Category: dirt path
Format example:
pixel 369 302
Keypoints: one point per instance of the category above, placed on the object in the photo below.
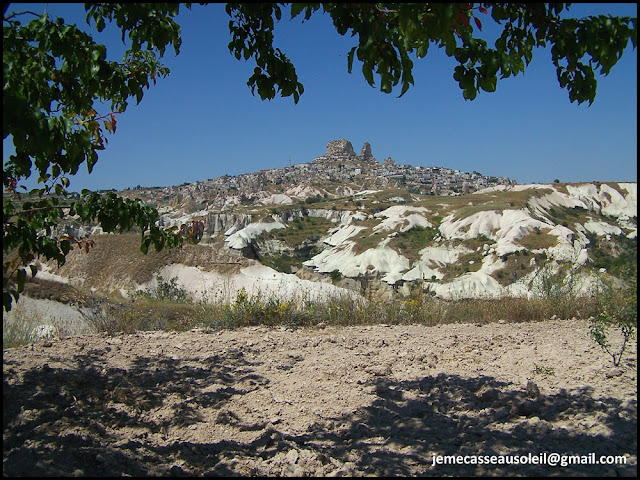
pixel 318 402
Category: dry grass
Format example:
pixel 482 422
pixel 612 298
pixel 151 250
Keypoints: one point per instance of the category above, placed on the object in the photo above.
pixel 301 229
pixel 517 265
pixel 422 309
pixel 410 243
pixel 114 258
pixel 112 314
pixel 364 241
pixel 538 240
pixel 117 260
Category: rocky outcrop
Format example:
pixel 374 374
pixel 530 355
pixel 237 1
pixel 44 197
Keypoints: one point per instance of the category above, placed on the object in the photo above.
pixel 340 147
pixel 337 151
pixel 218 222
pixel 503 231
pixel 342 150
pixel 366 154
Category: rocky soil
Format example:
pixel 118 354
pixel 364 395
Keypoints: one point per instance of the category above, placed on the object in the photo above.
pixel 364 400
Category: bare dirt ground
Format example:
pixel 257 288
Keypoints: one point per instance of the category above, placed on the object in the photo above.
pixel 349 401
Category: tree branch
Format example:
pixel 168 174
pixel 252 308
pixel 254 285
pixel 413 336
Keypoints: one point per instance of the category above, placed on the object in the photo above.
pixel 17 13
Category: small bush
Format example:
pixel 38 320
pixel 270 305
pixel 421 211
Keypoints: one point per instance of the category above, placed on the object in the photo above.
pixel 542 370
pixel 617 310
pixel 104 316
pixel 164 290
pixel 335 276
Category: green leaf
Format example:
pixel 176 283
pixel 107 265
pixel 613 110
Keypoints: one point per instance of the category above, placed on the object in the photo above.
pixel 367 71
pixel 7 300
pixel 65 246
pixel 422 49
pixel 469 93
pixel 21 276
pixel 100 24
pixel 144 246
pixel 34 270
pixel 488 84
pixel 385 84
pixel 296 8
pixel 458 73
pixel 468 80
pixel 350 59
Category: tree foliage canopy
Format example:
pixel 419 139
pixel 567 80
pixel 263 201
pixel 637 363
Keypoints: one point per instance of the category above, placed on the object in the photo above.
pixel 53 75
pixel 389 35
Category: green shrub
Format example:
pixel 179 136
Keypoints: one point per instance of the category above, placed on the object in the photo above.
pixel 413 240
pixel 283 263
pixel 164 290
pixel 617 310
pixel 336 276
pixel 618 256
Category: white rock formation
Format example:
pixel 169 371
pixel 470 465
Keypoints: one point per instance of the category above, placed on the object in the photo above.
pixel 276 199
pixel 432 260
pixel 402 218
pixel 381 260
pixel 256 280
pixel 505 227
pixel 243 238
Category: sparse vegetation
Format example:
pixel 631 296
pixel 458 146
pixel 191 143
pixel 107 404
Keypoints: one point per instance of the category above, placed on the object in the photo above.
pixel 543 370
pixel 335 276
pixel 104 316
pixel 617 310
pixel 410 243
pixel 285 263
pixel 314 199
pixel 299 230
pixel 242 309
pixel 539 239
pixel 619 256
pixel 165 290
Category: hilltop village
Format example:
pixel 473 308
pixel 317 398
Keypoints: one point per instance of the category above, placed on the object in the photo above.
pixel 356 221
pixel 341 169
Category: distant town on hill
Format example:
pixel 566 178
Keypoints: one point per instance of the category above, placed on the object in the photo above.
pixel 340 165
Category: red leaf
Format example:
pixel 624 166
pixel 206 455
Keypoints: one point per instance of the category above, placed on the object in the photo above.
pixel 483 10
pixel 478 23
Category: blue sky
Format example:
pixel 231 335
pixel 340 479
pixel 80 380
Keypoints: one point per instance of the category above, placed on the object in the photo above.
pixel 202 121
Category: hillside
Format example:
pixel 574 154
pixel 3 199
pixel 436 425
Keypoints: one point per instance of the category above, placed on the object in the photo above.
pixel 320 236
